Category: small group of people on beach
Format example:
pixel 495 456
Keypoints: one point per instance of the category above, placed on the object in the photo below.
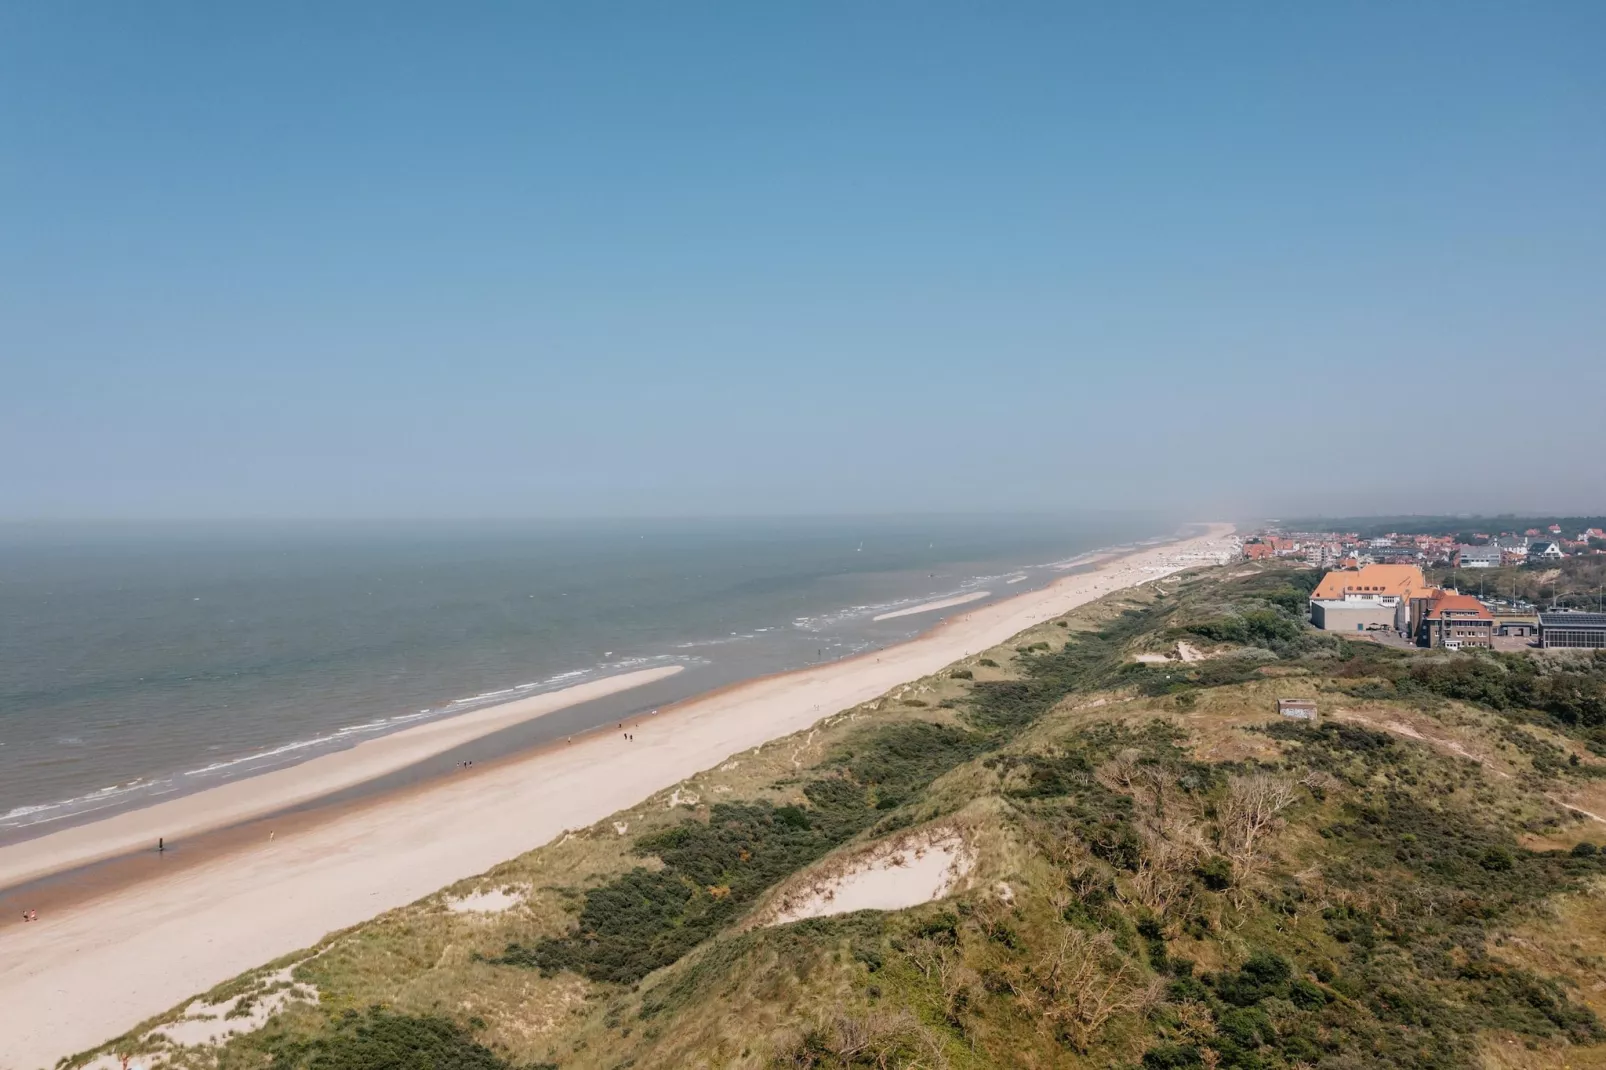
pixel 629 736
pixel 30 915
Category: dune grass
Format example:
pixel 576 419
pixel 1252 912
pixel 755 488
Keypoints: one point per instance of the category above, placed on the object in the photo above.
pixel 1167 875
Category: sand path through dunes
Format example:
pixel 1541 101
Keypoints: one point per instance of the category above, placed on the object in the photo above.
pixel 74 980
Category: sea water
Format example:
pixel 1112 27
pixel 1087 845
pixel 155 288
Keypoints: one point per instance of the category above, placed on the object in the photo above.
pixel 138 662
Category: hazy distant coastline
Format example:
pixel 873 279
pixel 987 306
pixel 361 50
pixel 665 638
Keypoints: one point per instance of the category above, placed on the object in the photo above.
pixel 333 872
pixel 154 666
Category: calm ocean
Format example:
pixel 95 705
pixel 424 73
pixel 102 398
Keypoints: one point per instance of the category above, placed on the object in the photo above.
pixel 143 661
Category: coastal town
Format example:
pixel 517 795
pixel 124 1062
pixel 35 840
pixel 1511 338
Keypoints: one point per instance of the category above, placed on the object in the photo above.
pixel 1537 585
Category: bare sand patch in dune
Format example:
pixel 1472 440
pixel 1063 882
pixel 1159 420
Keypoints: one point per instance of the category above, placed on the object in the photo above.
pixel 491 901
pixel 891 876
pixel 202 1024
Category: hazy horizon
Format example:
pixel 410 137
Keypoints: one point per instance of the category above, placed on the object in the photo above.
pixel 416 263
pixel 561 521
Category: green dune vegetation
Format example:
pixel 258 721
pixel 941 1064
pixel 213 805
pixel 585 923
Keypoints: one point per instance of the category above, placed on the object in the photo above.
pixel 1159 871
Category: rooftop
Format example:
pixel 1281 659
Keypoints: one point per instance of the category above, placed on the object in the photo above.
pixel 1344 603
pixel 1458 604
pixel 1398 581
pixel 1573 620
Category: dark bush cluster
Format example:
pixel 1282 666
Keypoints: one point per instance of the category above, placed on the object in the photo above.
pixel 1571 694
pixel 1574 695
pixel 382 1040
pixel 1393 1015
pixel 1183 679
pixel 1265 628
pixel 714 869
pixel 1087 661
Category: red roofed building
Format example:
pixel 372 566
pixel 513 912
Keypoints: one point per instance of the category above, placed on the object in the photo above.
pixel 1388 582
pixel 1453 621
pixel 1376 597
pixel 1259 551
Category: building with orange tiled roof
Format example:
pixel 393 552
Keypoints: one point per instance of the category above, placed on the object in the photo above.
pixel 1371 598
pixel 1371 582
pixel 1453 621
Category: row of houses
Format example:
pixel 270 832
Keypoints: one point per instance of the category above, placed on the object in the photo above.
pixel 1330 549
pixel 1512 550
pixel 1399 599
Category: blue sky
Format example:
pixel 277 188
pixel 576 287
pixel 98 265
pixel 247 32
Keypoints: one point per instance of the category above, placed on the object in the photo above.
pixel 520 259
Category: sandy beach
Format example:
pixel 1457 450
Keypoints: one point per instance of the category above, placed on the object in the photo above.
pixel 76 978
pixel 241 800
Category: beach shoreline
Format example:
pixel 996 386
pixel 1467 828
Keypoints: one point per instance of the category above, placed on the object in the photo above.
pixel 250 798
pixel 99 732
pixel 82 841
pixel 276 895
